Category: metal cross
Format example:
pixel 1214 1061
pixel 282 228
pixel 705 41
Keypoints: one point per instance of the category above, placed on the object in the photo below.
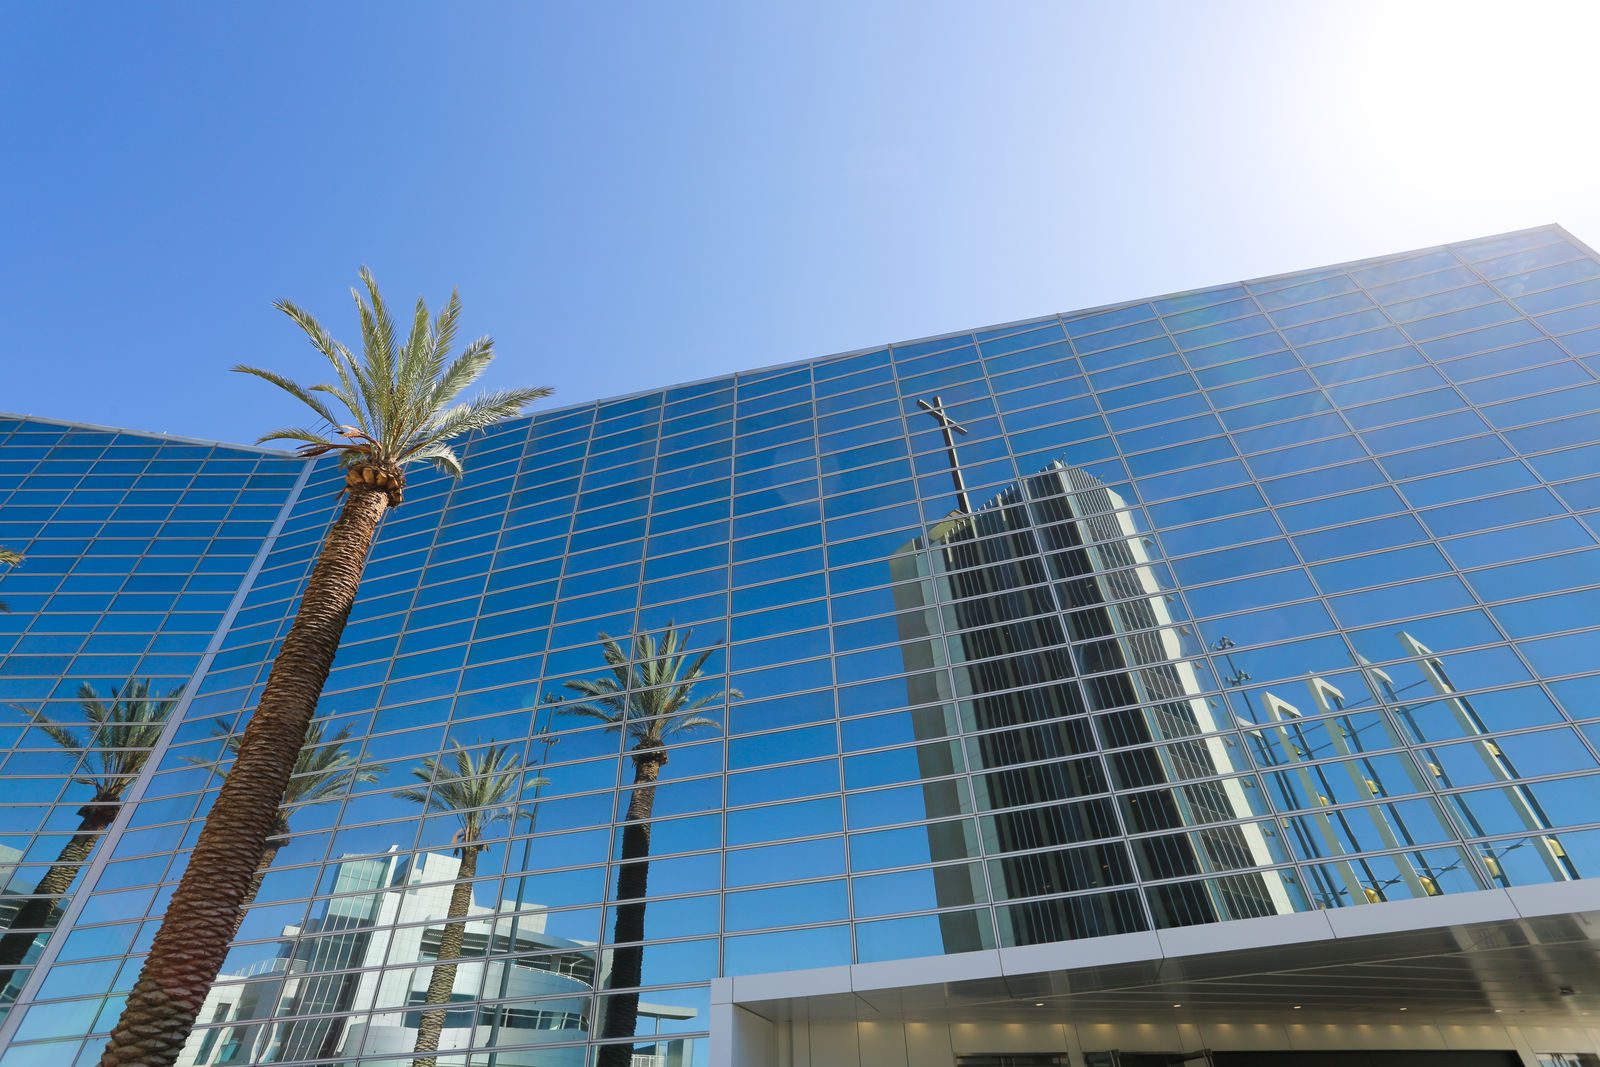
pixel 947 424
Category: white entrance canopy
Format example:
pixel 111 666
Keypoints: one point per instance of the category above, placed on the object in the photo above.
pixel 1513 969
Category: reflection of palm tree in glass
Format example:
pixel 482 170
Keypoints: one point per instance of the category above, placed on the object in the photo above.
pixel 8 558
pixel 324 771
pixel 480 787
pixel 651 701
pixel 543 738
pixel 110 756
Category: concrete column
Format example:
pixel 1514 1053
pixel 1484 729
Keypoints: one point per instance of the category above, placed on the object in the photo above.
pixel 741 1038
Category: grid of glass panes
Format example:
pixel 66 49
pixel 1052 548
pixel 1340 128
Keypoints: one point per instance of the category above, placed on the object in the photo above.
pixel 135 547
pixel 1274 599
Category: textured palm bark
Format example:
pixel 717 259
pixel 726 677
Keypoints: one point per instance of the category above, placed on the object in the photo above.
pixel 443 979
pixel 41 910
pixel 627 962
pixel 194 937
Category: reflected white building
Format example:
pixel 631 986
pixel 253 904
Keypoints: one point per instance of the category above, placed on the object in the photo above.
pixel 355 980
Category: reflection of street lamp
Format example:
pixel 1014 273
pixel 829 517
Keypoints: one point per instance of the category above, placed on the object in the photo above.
pixel 1225 645
pixel 540 737
pixel 1430 880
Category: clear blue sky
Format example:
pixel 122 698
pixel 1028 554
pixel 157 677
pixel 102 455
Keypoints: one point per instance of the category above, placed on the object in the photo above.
pixel 634 195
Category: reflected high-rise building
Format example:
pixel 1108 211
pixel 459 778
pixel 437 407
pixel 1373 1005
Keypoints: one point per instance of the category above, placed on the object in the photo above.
pixel 1054 610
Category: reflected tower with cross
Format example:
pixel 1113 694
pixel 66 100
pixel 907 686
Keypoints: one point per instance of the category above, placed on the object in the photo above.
pixel 1048 658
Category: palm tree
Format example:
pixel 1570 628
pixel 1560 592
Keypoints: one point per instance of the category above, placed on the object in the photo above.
pixel 324 771
pixel 109 757
pixel 480 788
pixel 649 699
pixel 398 398
pixel 8 558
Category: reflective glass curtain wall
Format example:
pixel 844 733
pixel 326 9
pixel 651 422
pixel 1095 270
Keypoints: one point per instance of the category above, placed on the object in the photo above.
pixel 1259 599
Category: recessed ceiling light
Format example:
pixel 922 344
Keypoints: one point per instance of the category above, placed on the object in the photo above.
pixel 1297 1007
pixel 1038 1003
pixel 1177 1005
pixel 1405 1009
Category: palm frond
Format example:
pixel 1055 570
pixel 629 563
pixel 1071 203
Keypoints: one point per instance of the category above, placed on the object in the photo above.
pixel 397 396
pixel 707 701
pixel 374 372
pixel 588 711
pixel 443 458
pixel 605 698
pixel 411 367
pixel 443 338
pixel 122 733
pixel 9 558
pixel 479 414
pixel 344 396
pixel 465 369
pixel 605 690
pixel 479 786
pixel 685 723
pixel 325 769
pixel 380 340
pixel 336 354
pixel 650 693
pixel 293 388
pixel 322 786
pixel 417 377
pixel 67 739
pixel 312 443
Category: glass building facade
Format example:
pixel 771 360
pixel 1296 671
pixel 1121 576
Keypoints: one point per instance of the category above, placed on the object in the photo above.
pixel 1261 599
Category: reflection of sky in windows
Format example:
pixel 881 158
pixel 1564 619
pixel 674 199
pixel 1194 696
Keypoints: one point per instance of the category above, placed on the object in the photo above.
pixel 1275 598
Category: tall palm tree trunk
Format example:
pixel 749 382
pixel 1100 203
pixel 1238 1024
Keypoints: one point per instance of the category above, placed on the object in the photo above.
pixel 193 940
pixel 627 962
pixel 41 908
pixel 443 979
